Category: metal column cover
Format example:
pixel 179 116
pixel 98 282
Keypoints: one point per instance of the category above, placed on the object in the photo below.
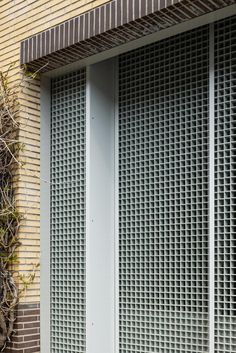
pixel 68 213
pixel 163 196
pixel 225 186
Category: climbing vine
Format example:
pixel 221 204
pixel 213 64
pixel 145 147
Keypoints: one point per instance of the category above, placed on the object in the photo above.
pixel 10 218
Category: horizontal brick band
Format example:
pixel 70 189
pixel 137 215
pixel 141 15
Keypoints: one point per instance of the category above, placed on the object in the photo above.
pixel 27 330
pixel 109 25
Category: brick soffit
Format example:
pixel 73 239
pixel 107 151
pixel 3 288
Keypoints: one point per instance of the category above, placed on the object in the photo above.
pixel 107 26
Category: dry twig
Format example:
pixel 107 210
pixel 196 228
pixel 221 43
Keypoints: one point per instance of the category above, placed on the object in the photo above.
pixel 9 216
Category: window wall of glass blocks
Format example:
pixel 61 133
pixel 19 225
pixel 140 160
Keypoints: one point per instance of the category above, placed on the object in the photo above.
pixel 143 199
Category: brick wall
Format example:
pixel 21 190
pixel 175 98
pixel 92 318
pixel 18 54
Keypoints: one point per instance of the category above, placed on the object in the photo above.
pixel 20 19
pixel 27 330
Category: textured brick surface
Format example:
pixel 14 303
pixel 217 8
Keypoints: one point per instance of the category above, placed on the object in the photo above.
pixel 26 338
pixel 18 20
pixel 112 24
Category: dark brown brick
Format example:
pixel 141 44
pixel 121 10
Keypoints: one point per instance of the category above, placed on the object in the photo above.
pixel 26 338
pixel 30 331
pixel 32 337
pixel 29 306
pixel 17 338
pixel 24 344
pixel 32 350
pixel 31 312
pixel 32 324
pixel 89 25
pixel 27 318
pixel 20 313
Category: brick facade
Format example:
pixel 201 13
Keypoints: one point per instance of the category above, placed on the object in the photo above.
pixel 27 330
pixel 18 20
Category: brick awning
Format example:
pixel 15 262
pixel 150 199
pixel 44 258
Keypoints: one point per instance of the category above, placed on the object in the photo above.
pixel 107 26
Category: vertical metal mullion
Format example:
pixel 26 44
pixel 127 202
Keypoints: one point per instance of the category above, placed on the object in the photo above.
pixel 100 212
pixel 116 207
pixel 45 293
pixel 87 188
pixel 211 191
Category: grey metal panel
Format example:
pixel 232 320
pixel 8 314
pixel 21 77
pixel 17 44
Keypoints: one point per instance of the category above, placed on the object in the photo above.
pixel 225 186
pixel 68 251
pixel 100 207
pixel 163 196
pixel 211 191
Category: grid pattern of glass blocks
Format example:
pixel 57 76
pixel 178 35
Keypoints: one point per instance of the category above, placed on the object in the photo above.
pixel 225 186
pixel 68 214
pixel 163 196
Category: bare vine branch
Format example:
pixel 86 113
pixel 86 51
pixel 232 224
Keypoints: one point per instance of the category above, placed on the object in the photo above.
pixel 10 218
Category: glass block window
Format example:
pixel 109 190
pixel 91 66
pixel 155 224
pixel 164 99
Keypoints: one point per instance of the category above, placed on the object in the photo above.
pixel 163 196
pixel 225 186
pixel 68 214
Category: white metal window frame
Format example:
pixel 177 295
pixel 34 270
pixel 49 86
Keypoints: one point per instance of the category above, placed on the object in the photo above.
pixel 97 341
pixel 100 209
